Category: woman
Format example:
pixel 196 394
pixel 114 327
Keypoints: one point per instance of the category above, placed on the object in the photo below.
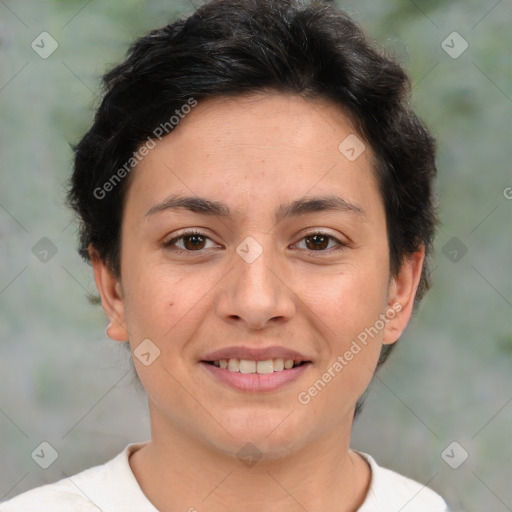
pixel 255 198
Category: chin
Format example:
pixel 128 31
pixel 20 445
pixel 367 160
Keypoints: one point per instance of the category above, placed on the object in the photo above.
pixel 267 435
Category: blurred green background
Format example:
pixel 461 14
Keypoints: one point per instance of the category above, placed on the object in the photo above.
pixel 63 381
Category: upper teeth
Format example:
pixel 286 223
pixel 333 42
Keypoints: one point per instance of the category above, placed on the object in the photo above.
pixel 248 366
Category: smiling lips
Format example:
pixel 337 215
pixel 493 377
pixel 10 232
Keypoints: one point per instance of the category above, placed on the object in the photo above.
pixel 255 369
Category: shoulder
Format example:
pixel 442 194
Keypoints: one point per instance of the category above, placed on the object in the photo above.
pixel 61 496
pixel 107 486
pixel 391 491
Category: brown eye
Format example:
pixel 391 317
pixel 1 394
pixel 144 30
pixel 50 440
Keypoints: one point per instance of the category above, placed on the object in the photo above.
pixel 192 242
pixel 188 242
pixel 317 241
pixel 321 242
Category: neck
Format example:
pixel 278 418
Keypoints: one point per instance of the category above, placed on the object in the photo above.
pixel 178 472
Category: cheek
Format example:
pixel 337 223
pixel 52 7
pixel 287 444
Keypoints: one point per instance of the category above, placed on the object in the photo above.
pixel 162 303
pixel 163 307
pixel 348 301
pixel 347 313
pixel 348 306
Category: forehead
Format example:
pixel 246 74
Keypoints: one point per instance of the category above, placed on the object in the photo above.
pixel 260 118
pixel 255 149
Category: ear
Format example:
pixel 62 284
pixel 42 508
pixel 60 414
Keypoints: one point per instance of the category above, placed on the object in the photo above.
pixel 111 294
pixel 402 291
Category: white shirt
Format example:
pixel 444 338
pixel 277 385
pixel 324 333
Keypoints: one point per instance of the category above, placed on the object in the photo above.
pixel 112 487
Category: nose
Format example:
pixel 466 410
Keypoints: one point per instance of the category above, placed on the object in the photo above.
pixel 257 294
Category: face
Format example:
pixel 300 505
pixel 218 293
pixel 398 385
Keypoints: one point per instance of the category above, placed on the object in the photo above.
pixel 249 235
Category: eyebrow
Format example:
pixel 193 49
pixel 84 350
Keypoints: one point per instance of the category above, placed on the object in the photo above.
pixel 295 208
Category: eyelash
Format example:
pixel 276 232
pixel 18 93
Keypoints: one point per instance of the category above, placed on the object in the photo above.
pixel 193 232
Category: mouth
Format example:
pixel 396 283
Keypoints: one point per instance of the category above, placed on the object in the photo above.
pixel 255 369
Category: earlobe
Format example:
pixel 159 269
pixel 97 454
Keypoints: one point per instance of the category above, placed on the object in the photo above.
pixel 112 300
pixel 402 292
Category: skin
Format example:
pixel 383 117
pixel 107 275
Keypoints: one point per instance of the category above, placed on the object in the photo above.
pixel 254 153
